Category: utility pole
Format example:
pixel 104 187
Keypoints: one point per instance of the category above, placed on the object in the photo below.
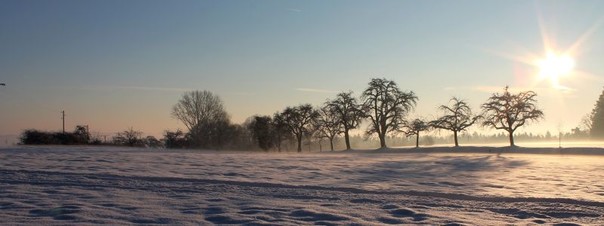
pixel 63 117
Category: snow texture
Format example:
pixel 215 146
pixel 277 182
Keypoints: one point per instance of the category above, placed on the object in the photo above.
pixel 102 185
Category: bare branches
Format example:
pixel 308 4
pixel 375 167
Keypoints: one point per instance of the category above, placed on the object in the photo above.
pixel 203 114
pixel 298 120
pixel 386 106
pixel 347 112
pixel 328 124
pixel 414 128
pixel 510 111
pixel 457 117
pixel 196 107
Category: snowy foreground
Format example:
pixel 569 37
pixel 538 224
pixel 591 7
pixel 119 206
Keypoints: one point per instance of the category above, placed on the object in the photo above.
pixel 100 185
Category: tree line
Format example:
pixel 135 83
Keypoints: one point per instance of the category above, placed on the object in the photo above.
pixel 383 106
pixel 82 136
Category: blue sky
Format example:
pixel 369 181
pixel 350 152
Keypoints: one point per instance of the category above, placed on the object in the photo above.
pixel 120 64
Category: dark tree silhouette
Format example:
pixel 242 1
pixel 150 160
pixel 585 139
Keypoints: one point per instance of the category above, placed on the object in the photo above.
pixel 196 107
pixel 152 142
pixel 597 119
pixel 328 124
pixel 175 139
pixel 82 134
pixel 203 114
pixel 348 113
pixel 79 136
pixel 211 135
pixel 281 130
pixel 457 117
pixel 299 121
pixel 237 137
pixel 510 111
pixel 414 128
pixel 128 137
pixel 261 128
pixel 386 106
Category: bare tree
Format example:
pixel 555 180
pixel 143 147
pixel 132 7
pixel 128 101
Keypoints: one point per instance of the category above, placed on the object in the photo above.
pixel 203 114
pixel 129 137
pixel 348 113
pixel 299 121
pixel 457 117
pixel 328 124
pixel 196 107
pixel 414 128
pixel 510 111
pixel 386 106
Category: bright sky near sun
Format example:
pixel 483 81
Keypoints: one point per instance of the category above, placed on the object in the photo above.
pixel 119 64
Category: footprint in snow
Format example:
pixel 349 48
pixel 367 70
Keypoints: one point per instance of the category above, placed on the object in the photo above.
pixel 408 213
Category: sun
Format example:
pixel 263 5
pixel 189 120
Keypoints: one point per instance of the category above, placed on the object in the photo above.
pixel 553 66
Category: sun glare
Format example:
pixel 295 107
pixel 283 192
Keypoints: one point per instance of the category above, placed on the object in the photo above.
pixel 554 66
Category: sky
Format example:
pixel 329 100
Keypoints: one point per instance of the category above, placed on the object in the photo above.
pixel 114 65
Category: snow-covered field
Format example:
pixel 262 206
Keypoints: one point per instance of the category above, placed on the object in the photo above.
pixel 101 185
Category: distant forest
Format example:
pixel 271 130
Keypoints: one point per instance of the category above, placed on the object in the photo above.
pixel 383 108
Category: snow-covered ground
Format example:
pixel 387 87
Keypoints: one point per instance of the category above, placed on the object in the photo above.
pixel 101 185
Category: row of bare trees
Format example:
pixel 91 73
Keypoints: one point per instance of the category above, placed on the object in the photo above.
pixel 382 104
pixel 505 111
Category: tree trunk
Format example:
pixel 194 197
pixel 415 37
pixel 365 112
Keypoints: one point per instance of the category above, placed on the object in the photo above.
pixel 455 136
pixel 417 140
pixel 512 139
pixel 382 140
pixel 347 138
pixel 299 143
pixel 331 143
